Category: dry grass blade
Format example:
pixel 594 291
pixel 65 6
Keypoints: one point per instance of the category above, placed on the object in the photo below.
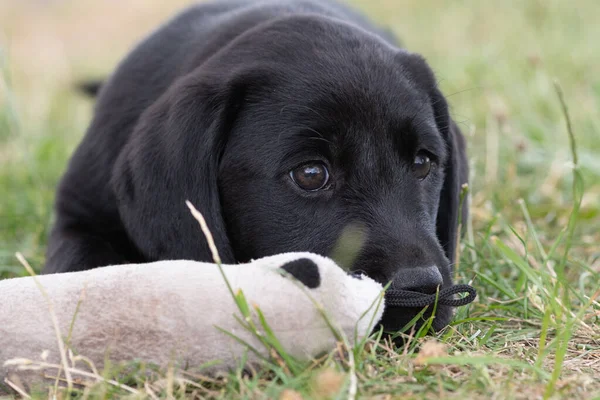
pixel 149 391
pixel 16 388
pixel 206 231
pixel 24 364
pixel 55 324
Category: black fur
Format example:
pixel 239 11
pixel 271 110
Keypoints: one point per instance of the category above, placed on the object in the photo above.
pixel 220 103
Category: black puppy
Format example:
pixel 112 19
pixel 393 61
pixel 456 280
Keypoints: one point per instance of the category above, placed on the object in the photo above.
pixel 283 122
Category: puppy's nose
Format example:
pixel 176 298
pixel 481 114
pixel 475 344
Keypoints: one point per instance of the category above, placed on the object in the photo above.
pixel 424 280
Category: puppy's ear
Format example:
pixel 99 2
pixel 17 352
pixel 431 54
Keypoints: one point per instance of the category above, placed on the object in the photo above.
pixel 172 156
pixel 456 172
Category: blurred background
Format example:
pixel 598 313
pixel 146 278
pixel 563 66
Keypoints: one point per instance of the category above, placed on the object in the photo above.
pixel 496 62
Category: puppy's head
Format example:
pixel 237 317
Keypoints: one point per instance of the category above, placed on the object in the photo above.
pixel 294 131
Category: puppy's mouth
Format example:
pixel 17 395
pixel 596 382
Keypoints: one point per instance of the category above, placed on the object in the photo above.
pixel 417 299
pixel 404 306
pixel 408 310
pixel 412 289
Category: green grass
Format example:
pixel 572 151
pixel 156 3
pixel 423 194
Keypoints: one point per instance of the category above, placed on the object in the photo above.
pixel 531 251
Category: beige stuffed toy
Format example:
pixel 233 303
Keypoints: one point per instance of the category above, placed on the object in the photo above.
pixel 176 311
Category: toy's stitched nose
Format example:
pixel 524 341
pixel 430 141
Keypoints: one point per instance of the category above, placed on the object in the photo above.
pixel 424 280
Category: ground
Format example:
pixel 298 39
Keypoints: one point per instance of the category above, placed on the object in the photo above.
pixel 532 246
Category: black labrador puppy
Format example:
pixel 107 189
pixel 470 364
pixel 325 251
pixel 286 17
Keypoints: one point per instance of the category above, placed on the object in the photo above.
pixel 284 122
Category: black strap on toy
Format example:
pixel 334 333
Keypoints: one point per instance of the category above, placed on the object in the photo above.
pixel 445 297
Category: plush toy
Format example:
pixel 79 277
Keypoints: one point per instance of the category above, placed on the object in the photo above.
pixel 178 312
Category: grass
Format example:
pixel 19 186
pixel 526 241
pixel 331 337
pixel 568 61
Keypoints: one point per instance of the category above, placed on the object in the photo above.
pixel 532 247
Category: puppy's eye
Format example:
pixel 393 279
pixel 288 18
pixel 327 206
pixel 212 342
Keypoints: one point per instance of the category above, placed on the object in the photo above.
pixel 422 165
pixel 311 176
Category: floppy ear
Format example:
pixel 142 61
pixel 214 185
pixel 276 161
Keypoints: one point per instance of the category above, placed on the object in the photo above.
pixel 172 156
pixel 456 172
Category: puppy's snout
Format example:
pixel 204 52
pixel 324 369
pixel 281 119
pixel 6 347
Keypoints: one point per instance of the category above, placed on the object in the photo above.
pixel 424 280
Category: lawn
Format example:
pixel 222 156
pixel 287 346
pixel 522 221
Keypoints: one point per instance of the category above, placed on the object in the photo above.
pixel 532 247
